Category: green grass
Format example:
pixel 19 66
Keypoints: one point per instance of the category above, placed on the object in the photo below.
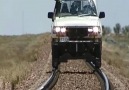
pixel 17 53
pixel 117 54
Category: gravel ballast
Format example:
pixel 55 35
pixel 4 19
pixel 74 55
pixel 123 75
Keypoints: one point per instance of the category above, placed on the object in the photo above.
pixel 75 75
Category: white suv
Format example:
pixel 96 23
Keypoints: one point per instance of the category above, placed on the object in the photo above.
pixel 76 31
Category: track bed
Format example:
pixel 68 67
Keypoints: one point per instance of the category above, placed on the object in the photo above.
pixel 76 75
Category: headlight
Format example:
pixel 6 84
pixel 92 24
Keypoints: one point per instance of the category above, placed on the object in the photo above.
pixel 95 29
pixel 63 30
pixel 57 29
pixel 90 30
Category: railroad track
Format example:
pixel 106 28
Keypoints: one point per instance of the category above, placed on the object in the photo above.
pixel 105 84
pixel 52 80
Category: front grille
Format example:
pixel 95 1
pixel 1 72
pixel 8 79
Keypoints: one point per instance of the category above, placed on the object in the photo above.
pixel 77 33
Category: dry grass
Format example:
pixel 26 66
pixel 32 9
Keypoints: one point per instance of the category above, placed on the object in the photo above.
pixel 17 53
pixel 117 55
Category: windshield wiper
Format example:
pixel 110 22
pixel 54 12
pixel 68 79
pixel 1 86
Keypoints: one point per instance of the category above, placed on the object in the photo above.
pixel 65 15
pixel 81 15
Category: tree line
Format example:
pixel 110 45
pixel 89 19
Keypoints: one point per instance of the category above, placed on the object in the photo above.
pixel 117 29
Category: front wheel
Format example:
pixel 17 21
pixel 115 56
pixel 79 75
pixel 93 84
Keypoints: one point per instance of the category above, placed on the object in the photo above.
pixel 55 63
pixel 97 55
pixel 55 56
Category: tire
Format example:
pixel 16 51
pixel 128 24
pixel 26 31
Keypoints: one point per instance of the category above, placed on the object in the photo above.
pixel 97 55
pixel 55 63
pixel 55 56
pixel 98 63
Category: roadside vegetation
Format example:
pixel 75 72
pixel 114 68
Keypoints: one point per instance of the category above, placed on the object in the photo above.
pixel 116 47
pixel 17 53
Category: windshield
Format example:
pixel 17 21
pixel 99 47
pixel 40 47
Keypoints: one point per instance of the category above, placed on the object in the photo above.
pixel 77 8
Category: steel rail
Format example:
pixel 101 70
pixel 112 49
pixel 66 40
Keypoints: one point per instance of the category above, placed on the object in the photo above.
pixel 105 84
pixel 51 81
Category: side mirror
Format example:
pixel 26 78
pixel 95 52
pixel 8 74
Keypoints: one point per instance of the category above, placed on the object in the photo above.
pixel 50 15
pixel 102 15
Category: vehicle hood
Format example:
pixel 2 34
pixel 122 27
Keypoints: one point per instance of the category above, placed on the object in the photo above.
pixel 77 21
